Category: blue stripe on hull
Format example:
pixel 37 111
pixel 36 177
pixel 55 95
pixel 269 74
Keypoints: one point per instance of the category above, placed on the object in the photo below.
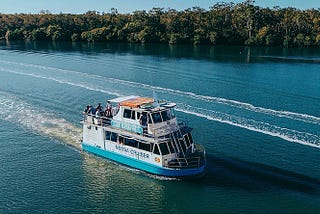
pixel 143 165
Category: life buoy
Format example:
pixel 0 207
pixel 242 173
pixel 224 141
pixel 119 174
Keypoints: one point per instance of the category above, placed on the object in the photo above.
pixel 157 159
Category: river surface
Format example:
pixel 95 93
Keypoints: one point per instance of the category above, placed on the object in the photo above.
pixel 255 110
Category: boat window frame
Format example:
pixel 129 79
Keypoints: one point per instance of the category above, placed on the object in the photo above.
pixel 131 142
pixel 107 133
pixel 167 113
pixel 149 118
pixel 113 134
pixel 166 146
pixel 172 147
pixel 154 149
pixel 129 114
pixel 126 113
pixel 184 146
pixel 190 138
pixel 153 118
pixel 172 113
pixel 133 114
pixel 187 140
pixel 144 143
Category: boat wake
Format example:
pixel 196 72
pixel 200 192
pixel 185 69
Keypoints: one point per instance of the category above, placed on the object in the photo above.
pixel 253 125
pixel 247 106
pixel 118 87
pixel 17 111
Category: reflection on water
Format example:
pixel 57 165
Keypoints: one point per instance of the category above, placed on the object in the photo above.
pixel 118 188
pixel 218 53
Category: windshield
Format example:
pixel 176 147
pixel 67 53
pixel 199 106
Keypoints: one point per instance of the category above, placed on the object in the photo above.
pixel 162 116
pixel 156 117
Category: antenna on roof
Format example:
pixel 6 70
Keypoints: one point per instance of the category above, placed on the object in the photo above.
pixel 154 94
pixel 155 98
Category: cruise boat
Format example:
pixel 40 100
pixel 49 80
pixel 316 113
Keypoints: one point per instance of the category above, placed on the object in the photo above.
pixel 143 134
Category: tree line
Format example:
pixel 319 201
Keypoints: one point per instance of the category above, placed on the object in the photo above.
pixel 222 24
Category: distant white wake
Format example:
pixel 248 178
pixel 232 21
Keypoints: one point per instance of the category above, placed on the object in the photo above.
pixel 253 125
pixel 241 105
pixel 250 124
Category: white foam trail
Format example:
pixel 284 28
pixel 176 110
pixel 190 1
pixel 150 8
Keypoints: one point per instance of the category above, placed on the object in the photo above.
pixel 257 126
pixel 14 110
pixel 284 133
pixel 285 114
pixel 81 85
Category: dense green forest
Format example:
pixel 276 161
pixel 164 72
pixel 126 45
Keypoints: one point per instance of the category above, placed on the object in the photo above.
pixel 223 23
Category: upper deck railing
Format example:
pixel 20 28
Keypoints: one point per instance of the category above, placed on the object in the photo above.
pixel 149 131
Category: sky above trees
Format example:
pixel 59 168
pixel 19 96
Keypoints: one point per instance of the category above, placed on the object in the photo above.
pixel 128 6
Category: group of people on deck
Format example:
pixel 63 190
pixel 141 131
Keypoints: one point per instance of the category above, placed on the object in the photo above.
pixel 99 111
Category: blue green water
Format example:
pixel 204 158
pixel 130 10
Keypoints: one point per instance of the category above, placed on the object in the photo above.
pixel 255 110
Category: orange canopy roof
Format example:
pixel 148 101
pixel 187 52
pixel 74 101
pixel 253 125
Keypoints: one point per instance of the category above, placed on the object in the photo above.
pixel 137 102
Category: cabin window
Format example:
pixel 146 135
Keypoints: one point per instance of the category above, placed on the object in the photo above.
pixel 172 113
pixel 127 113
pixel 171 147
pixel 166 115
pixel 131 142
pixel 186 139
pixel 172 143
pixel 113 137
pixel 177 135
pixel 108 134
pixel 175 146
pixel 190 138
pixel 144 146
pixel 164 148
pixel 121 140
pixel 183 146
pixel 156 117
pixel 138 115
pixel 156 150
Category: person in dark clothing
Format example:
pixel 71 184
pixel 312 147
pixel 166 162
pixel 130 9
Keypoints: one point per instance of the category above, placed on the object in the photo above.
pixel 108 109
pixel 99 107
pixel 143 121
pixel 86 110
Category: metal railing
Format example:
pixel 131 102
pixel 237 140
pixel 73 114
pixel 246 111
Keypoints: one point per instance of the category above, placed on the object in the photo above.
pixel 101 121
pixel 191 162
pixel 196 160
pixel 107 121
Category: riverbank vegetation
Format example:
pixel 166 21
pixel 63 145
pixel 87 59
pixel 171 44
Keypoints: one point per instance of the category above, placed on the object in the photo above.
pixel 222 24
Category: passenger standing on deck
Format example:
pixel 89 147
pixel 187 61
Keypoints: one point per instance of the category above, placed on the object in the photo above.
pixel 143 121
pixel 91 110
pixel 86 110
pixel 99 107
pixel 97 119
pixel 108 108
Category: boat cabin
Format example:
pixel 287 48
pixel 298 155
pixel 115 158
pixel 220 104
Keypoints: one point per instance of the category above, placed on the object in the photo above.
pixel 142 115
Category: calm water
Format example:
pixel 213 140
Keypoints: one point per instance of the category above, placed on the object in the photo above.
pixel 255 110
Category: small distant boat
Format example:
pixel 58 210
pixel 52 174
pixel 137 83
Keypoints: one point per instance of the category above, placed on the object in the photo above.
pixel 143 134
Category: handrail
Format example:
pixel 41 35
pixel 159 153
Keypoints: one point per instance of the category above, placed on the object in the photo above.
pixel 106 121
pixel 195 161
pixel 188 162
